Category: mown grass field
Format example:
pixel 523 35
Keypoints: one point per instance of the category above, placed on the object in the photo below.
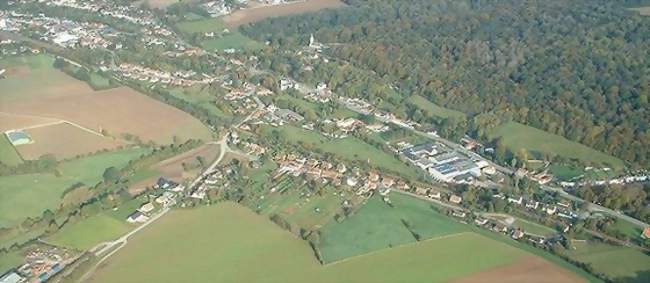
pixel 30 194
pixel 349 148
pixel 223 242
pixel 8 154
pixel 232 40
pixel 534 228
pixel 432 109
pixel 377 226
pixel 517 136
pixel 619 263
pixel 201 26
pixel 89 232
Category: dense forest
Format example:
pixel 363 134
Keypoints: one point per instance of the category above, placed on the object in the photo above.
pixel 580 69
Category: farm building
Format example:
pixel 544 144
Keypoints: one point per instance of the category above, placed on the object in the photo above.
pixel 17 137
pixel 137 217
pixel 646 233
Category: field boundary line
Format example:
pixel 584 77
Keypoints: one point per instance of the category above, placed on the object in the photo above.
pixel 399 246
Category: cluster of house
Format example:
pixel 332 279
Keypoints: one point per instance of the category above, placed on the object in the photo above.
pixel 168 198
pixel 276 116
pixel 615 181
pixel 177 78
pixel 215 179
pixel 363 184
pixel 445 164
pixel 41 263
pixel 217 8
pixel 357 105
pixel 9 47
pixel 108 8
pixel 561 209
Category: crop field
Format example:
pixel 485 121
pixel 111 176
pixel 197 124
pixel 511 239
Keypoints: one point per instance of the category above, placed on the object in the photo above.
pixel 432 109
pixel 517 136
pixel 30 194
pixel 8 154
pixel 621 263
pixel 64 140
pixel 256 14
pixel 42 92
pixel 221 243
pixel 89 232
pixel 232 40
pixel 349 148
pixel 377 226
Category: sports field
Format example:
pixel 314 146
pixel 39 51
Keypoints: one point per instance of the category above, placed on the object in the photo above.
pixel 89 232
pixel 30 194
pixel 256 14
pixel 349 148
pixel 42 92
pixel 229 243
pixel 620 263
pixel 517 136
pixel 233 40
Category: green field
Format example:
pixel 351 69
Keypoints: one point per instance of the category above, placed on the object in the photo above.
pixel 201 26
pixel 517 136
pixel 221 243
pixel 534 228
pixel 377 226
pixel 232 40
pixel 8 154
pixel 9 261
pixel 199 96
pixel 30 194
pixel 620 263
pixel 432 109
pixel 32 86
pixel 349 148
pixel 89 232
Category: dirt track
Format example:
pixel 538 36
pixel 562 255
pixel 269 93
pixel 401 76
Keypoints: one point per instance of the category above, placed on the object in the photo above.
pixel 256 14
pixel 530 270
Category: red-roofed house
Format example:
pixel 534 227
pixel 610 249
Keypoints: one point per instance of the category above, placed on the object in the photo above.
pixel 646 233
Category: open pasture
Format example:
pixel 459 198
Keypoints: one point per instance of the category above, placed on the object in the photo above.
pixel 619 263
pixel 222 242
pixel 376 226
pixel 29 195
pixel 8 154
pixel 89 232
pixel 517 136
pixel 256 14
pixel 64 140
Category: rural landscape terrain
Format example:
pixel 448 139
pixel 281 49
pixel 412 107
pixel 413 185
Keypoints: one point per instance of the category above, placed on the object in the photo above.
pixel 325 141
